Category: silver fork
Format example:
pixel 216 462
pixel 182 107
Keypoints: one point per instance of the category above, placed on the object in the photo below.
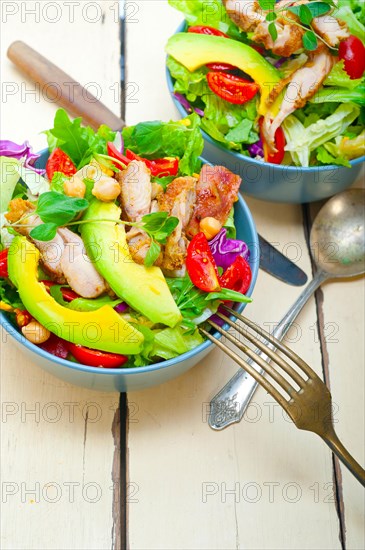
pixel 310 406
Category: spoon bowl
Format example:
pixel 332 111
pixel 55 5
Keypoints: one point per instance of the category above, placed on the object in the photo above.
pixel 338 238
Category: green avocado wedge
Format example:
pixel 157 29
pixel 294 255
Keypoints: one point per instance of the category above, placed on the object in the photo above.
pixel 143 288
pixel 194 50
pixel 103 329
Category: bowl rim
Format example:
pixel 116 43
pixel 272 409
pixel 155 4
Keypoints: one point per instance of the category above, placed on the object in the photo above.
pixel 17 335
pixel 240 156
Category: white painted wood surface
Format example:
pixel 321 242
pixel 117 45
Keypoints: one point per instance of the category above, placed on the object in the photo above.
pixel 56 473
pixel 181 474
pixel 259 484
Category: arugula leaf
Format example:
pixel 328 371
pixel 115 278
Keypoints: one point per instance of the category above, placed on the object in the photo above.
pixel 164 181
pixel 59 209
pixel 312 9
pixel 152 254
pixel 44 232
pixel 227 294
pixel 273 31
pixel 154 222
pixel 305 14
pixel 310 41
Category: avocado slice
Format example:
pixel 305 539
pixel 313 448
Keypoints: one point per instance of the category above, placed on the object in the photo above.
pixel 103 329
pixel 143 288
pixel 194 50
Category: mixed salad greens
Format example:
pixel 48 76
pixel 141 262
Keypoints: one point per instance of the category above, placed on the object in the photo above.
pixel 70 279
pixel 325 127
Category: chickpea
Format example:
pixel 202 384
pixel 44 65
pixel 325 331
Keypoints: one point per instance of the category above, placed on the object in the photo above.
pixel 74 187
pixel 36 333
pixel 210 227
pixel 106 189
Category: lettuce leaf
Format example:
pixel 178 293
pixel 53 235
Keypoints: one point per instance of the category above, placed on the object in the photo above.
pixel 207 12
pixel 191 84
pixel 324 157
pixel 303 140
pixel 352 12
pixel 340 95
pixel 339 77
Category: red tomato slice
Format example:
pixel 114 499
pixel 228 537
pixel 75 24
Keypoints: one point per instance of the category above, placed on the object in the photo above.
pixel 238 276
pixel 96 358
pixel 352 51
pixel 115 154
pixel 232 88
pixel 201 29
pixel 67 293
pixel 4 263
pixel 201 265
pixel 280 142
pixel 60 162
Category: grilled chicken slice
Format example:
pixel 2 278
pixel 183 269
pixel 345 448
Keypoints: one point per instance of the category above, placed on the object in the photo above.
pixel 216 190
pixel 303 84
pixel 77 267
pixel 330 29
pixel 51 251
pixel 179 201
pixel 247 14
pixel 136 191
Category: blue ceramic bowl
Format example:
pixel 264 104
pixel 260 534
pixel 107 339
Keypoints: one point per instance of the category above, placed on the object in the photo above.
pixel 272 182
pixel 132 379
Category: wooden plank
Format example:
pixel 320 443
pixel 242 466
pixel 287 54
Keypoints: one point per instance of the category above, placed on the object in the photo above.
pixel 342 340
pixel 259 484
pixel 57 479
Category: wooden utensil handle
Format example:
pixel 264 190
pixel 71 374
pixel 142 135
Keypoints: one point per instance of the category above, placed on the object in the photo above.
pixel 61 88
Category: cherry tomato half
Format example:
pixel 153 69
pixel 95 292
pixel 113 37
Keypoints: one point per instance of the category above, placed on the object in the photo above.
pixel 201 265
pixel 4 263
pixel 352 51
pixel 60 162
pixel 200 29
pixel 232 88
pixel 205 29
pixel 96 358
pixel 237 276
pixel 280 142
pixel 67 293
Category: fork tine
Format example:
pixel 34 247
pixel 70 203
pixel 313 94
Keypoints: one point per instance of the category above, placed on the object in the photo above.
pixel 279 345
pixel 269 352
pixel 257 359
pixel 248 368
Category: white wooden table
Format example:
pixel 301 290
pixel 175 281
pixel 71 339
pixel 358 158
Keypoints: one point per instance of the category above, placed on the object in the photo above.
pixel 76 472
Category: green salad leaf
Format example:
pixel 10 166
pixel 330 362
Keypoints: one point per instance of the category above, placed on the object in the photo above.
pixel 210 13
pixel 352 12
pixel 339 77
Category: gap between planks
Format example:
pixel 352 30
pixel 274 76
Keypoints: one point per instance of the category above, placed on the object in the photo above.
pixel 309 213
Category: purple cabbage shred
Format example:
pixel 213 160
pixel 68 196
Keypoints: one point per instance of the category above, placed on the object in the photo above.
pixel 20 152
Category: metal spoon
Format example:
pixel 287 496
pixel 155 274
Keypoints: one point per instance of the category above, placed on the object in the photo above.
pixel 337 242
